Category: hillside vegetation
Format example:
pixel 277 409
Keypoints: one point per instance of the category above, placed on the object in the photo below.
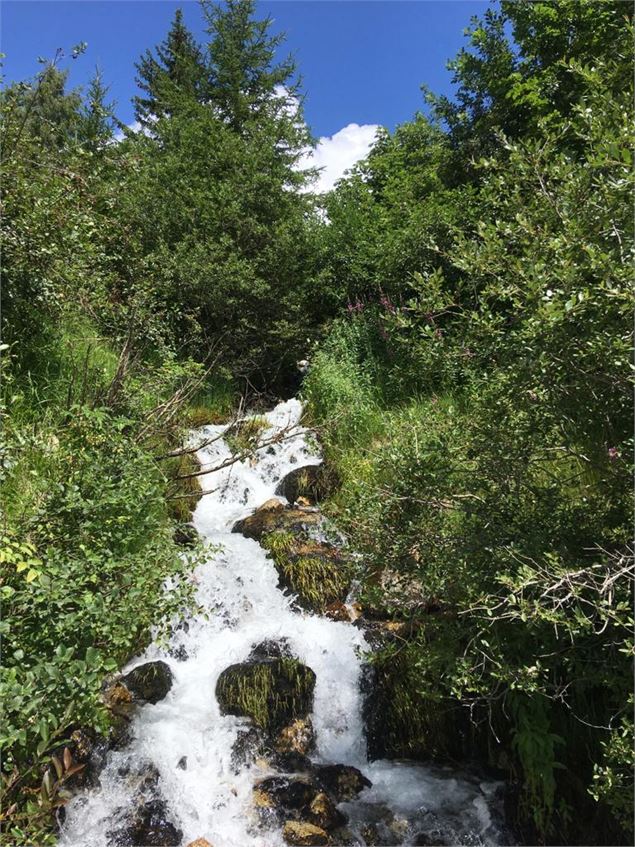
pixel 465 295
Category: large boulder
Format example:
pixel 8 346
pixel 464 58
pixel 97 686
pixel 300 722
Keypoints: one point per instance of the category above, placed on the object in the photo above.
pixel 274 516
pixel 272 692
pixel 316 572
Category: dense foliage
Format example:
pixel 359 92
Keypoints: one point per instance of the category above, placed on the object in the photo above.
pixel 475 401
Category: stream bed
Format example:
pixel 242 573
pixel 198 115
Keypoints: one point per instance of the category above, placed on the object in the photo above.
pixel 184 747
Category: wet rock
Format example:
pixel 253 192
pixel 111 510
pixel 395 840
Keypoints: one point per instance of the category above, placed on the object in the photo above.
pixel 185 535
pixel 149 682
pixel 434 838
pixel 118 698
pixel 288 796
pixel 316 572
pixel 249 744
pixel 291 762
pixel 371 835
pixel 337 611
pixel 81 759
pixel 304 834
pixel 269 649
pixel 298 737
pixel 253 526
pixel 344 782
pixel 273 516
pixel 272 692
pixel 142 780
pixel 309 482
pixel 323 812
pixel 147 825
pixel 179 653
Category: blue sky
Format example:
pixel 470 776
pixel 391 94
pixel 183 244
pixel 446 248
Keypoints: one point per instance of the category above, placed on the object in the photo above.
pixel 362 61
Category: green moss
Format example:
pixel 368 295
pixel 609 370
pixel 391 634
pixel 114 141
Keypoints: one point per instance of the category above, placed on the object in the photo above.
pixel 272 693
pixel 315 578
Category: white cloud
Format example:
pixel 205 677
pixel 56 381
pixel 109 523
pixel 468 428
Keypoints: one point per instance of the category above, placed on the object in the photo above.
pixel 336 153
pixel 119 135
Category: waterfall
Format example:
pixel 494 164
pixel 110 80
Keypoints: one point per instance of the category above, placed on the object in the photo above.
pixel 237 587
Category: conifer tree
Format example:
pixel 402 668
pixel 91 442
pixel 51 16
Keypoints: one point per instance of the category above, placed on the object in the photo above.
pixel 174 70
pixel 97 115
pixel 246 84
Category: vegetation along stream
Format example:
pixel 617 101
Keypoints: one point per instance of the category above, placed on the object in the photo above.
pixel 257 759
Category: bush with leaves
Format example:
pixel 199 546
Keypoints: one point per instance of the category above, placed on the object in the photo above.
pixel 499 478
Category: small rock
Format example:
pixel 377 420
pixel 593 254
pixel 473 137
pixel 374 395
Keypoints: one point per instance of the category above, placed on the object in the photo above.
pixel 337 611
pixel 323 813
pixel 304 834
pixel 247 747
pixel 148 826
pixel 200 842
pixel 344 782
pixel 149 682
pixel 288 795
pixel 298 737
pixel 270 649
pixel 370 834
pixel 182 763
pixel 118 699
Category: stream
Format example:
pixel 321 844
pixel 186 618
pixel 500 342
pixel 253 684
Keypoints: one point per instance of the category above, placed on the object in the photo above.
pixel 211 797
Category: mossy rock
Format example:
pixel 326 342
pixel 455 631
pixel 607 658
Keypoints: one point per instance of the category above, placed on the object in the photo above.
pixel 272 692
pixel 315 572
pixel 149 682
pixel 273 516
pixel 310 481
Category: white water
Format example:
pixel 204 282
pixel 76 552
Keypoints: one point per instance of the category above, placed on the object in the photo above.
pixel 238 588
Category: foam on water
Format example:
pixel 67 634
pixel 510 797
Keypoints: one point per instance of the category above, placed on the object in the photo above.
pixel 237 586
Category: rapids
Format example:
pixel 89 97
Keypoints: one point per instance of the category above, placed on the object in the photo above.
pixel 238 587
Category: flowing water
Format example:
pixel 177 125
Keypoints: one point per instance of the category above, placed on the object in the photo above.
pixel 237 585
